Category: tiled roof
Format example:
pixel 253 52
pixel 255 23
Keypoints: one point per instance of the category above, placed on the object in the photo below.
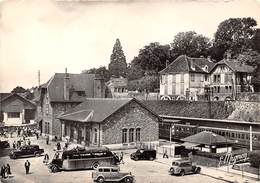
pixel 98 109
pixel 187 64
pixel 77 82
pixel 4 95
pixel 206 138
pixel 19 96
pixel 236 66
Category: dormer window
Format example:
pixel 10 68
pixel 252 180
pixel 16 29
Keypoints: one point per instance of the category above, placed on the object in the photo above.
pixel 206 68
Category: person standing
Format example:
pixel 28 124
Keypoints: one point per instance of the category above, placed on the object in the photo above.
pixel 46 159
pixel 3 172
pixel 27 165
pixel 47 139
pixel 122 158
pixel 8 170
pixel 14 145
pixel 58 146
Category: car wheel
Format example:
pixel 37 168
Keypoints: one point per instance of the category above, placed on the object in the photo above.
pixel 197 171
pixel 182 173
pixel 171 171
pixel 95 165
pixel 54 169
pixel 151 158
pixel 136 158
pixel 128 179
pixel 100 180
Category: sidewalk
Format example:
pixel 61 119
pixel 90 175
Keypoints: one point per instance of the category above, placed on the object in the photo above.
pixel 221 173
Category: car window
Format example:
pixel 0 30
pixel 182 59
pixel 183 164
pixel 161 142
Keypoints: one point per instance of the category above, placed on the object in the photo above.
pixel 114 170
pixel 175 163
pixel 106 170
pixel 100 170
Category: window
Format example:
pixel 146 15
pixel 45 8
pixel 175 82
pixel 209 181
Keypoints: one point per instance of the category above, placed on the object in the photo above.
pixel 47 127
pixel 47 109
pixel 216 78
pixel 124 136
pixel 192 77
pixel 182 78
pixel 114 170
pixel 13 115
pixel 131 135
pixel 138 134
pixel 106 170
pixel 95 136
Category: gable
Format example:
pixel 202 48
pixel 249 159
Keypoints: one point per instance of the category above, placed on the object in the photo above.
pixel 15 103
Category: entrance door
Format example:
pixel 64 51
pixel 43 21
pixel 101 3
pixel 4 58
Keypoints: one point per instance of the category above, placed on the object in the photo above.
pixel 87 136
pixel 79 135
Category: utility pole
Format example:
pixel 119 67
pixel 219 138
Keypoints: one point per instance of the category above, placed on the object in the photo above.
pixel 251 138
pixel 39 78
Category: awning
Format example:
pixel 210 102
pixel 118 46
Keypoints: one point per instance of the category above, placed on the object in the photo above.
pixel 189 145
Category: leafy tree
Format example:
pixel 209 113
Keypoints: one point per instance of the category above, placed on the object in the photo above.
pixel 146 84
pixel 117 65
pixel 254 158
pixel 256 40
pixel 134 70
pixel 101 70
pixel 18 89
pixel 191 44
pixel 233 35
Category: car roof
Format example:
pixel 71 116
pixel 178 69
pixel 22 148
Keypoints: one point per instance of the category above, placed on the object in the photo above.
pixel 108 167
pixel 182 161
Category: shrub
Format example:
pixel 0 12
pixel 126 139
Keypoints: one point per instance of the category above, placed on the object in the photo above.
pixel 254 158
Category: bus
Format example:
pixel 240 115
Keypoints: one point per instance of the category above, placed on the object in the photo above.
pixel 83 158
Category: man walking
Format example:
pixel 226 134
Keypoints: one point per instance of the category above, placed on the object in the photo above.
pixel 27 166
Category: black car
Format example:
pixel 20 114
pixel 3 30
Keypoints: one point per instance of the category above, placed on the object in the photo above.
pixel 26 151
pixel 143 154
pixel 4 144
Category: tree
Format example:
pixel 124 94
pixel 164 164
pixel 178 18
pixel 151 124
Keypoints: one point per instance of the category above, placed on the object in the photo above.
pixel 191 44
pixel 233 35
pixel 117 65
pixel 101 71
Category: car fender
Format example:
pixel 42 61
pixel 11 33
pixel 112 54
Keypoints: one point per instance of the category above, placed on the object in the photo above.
pixel 130 176
pixel 100 176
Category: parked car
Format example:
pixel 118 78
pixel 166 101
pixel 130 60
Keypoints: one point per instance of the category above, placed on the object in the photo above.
pixel 144 154
pixel 102 174
pixel 26 151
pixel 4 144
pixel 182 167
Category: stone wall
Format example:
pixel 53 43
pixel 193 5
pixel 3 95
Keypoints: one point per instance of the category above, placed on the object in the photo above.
pixel 245 111
pixel 196 109
pixel 131 116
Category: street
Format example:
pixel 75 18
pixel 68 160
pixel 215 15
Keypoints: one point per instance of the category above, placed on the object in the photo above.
pixel 144 171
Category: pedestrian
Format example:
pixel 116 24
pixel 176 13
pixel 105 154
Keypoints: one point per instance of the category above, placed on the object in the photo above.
pixel 27 165
pixel 66 145
pixel 37 135
pixel 3 172
pixel 8 170
pixel 29 142
pixel 46 159
pixel 47 139
pixel 165 155
pixel 56 155
pixel 58 146
pixel 14 145
pixel 122 158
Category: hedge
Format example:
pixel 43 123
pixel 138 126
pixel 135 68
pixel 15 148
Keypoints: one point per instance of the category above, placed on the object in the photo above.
pixel 254 158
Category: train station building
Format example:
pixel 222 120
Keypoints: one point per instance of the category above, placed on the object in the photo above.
pixel 111 122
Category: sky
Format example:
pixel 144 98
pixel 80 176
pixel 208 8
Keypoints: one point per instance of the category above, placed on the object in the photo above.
pixel 49 35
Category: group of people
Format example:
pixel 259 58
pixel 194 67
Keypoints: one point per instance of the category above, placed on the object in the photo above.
pixel 120 157
pixel 5 171
pixel 21 142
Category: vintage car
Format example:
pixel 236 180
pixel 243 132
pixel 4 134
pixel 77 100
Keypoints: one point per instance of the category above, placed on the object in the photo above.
pixel 113 174
pixel 4 144
pixel 182 167
pixel 26 151
pixel 144 154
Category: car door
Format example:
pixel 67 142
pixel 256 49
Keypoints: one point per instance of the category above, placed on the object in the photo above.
pixel 107 174
pixel 115 175
pixel 188 167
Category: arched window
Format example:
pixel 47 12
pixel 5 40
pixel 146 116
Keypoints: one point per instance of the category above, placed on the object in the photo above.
pixel 131 135
pixel 138 134
pixel 124 135
pixel 95 136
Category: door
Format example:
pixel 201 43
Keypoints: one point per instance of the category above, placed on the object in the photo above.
pixel 87 136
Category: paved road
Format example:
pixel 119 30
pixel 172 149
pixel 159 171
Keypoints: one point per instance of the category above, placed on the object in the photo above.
pixel 144 171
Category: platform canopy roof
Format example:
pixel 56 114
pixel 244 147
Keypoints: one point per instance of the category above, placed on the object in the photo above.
pixel 206 138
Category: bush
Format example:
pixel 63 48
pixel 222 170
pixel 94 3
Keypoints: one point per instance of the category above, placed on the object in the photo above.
pixel 254 158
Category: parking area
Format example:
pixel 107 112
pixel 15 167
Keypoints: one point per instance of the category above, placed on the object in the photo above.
pixel 144 171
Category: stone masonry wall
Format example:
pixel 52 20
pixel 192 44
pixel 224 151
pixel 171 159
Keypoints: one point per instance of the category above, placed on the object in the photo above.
pixel 131 116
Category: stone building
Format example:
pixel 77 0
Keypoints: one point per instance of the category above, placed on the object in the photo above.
pixel 118 87
pixel 63 92
pixel 185 78
pixel 111 122
pixel 229 78
pixel 16 110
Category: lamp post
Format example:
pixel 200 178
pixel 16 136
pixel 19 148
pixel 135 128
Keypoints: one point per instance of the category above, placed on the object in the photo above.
pixel 207 96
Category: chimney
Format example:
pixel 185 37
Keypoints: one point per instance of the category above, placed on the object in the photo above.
pixel 167 63
pixel 99 86
pixel 66 85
